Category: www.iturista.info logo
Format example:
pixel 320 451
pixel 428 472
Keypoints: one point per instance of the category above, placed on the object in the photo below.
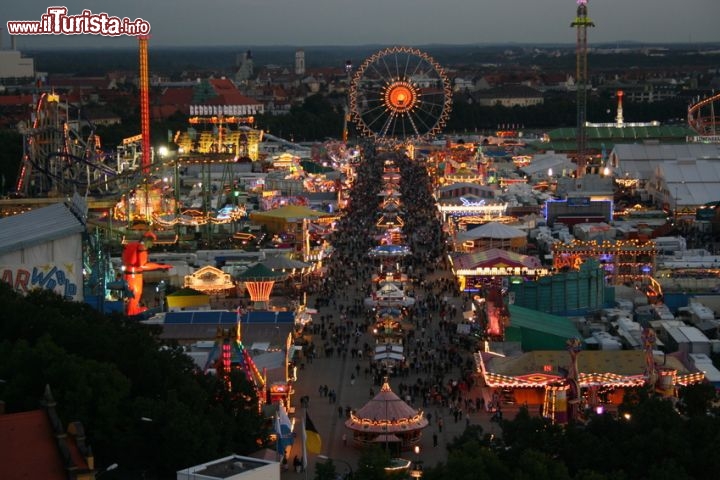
pixel 56 21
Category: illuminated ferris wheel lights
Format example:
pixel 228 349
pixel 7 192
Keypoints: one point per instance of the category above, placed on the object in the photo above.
pixel 386 102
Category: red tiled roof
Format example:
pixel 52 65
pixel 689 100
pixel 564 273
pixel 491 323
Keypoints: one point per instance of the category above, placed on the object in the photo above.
pixel 158 112
pixel 28 448
pixel 6 100
pixel 71 82
pixel 228 94
pixel 176 96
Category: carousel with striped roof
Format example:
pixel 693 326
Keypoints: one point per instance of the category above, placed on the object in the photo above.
pixel 387 419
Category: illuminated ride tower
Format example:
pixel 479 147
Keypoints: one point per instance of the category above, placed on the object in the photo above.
pixel 346 108
pixel 144 86
pixel 581 23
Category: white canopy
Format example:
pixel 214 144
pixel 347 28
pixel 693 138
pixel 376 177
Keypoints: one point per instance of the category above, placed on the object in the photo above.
pixel 491 230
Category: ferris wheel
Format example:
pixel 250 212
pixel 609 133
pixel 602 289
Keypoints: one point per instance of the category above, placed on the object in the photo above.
pixel 400 93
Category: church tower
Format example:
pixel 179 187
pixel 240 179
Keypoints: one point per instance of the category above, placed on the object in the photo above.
pixel 300 62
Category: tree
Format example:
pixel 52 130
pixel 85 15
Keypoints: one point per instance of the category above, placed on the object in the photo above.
pixel 372 463
pixel 697 399
pixel 325 470
pixel 144 405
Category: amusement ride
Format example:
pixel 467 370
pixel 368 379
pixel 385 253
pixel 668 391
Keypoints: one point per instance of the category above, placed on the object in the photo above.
pixel 400 94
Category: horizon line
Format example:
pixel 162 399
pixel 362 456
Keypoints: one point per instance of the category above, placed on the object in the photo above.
pixel 375 45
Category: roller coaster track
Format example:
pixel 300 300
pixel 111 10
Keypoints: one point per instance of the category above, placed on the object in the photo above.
pixel 702 116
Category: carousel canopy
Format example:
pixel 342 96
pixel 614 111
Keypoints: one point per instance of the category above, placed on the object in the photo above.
pixel 259 273
pixel 386 414
pixel 492 230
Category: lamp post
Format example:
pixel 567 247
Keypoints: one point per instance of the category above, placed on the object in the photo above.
pixel 417 470
pixel 550 178
pixel 347 464
pixel 676 205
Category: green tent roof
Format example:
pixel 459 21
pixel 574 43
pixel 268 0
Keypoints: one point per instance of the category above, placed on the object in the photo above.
pixel 624 133
pixel 259 272
pixel 536 330
pixel 565 139
pixel 541 321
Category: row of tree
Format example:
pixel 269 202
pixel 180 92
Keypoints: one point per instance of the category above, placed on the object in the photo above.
pixel 144 406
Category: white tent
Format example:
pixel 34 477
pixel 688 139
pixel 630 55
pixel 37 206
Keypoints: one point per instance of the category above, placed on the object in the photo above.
pixel 492 230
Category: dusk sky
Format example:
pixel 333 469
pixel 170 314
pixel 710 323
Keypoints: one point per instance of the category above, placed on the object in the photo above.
pixel 383 22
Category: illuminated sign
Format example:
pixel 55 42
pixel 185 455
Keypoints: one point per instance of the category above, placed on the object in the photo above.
pixel 468 203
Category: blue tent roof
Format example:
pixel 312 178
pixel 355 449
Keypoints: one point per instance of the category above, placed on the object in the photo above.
pixel 222 317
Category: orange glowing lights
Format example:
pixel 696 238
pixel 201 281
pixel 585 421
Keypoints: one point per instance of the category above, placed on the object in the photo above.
pixel 401 97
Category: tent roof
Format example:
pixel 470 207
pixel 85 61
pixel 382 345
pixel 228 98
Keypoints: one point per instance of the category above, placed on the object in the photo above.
pixel 541 162
pixel 187 292
pixel 283 262
pixel 390 289
pixel 493 257
pixel 21 231
pixel 289 212
pixel 259 272
pixel 386 405
pixel 619 362
pixel 492 230
pixel 624 133
pixel 544 322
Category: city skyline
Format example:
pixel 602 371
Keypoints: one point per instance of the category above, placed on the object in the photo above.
pixel 409 22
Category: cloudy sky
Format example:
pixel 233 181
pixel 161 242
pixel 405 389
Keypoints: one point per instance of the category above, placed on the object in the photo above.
pixel 384 22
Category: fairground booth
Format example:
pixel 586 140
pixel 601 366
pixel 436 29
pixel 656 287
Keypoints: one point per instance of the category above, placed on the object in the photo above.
pixel 542 378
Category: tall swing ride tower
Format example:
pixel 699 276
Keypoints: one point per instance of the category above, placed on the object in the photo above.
pixel 581 24
pixel 144 85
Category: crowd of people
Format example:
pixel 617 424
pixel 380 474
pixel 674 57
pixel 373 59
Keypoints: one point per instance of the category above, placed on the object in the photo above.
pixel 437 370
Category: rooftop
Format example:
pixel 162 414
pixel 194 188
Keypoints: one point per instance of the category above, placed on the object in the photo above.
pixel 21 231
pixel 228 467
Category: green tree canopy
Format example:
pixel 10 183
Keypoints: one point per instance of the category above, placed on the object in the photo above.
pixel 144 405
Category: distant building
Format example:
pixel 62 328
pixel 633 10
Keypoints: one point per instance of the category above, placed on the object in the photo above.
pixel 300 62
pixel 245 72
pixel 102 117
pixel 14 66
pixel 208 97
pixel 509 96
